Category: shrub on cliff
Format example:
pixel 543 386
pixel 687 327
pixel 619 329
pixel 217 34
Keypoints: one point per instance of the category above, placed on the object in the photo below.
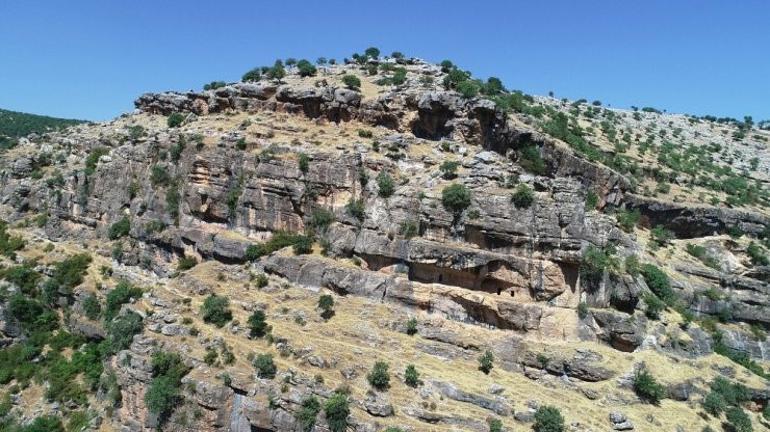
pixel 351 81
pixel 306 68
pixel 175 120
pixel 258 327
pixel 308 411
pixel 485 362
pixel 337 409
pixel 523 196
pixel 120 228
pixel 265 366
pixel 252 75
pixel 548 419
pixel 647 388
pixel 411 376
pixel 216 310
pixel 455 198
pixel 379 377
pixel 385 185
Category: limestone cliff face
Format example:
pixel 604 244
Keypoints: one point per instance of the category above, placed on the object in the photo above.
pixel 255 159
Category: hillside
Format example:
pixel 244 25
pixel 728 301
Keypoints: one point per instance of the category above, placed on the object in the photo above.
pixel 385 244
pixel 15 124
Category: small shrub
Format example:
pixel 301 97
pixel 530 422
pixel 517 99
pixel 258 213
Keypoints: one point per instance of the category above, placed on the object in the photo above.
pixel 91 307
pixel 175 120
pixel 351 81
pixel 449 169
pixel 121 331
pixel 258 327
pixel 757 255
pixel 337 410
pixel 216 310
pixel 265 366
pixel 120 228
pixel 186 263
pixel 647 388
pixel 355 207
pixel 548 419
pixel 738 419
pixel 307 413
pixel 592 200
pixel 385 185
pixel 252 75
pixel 714 403
pixel 530 160
pixel 485 362
pixel 456 198
pixel 411 376
pixel 363 133
pixel 261 280
pixel 658 283
pixel 379 377
pixel 411 326
pixel 495 425
pixel 306 68
pixel 523 196
pixel 303 245
pixel 627 219
pixel 654 306
pixel 660 236
pixel 326 304
pixel 303 161
pixel 582 310
pixel 122 294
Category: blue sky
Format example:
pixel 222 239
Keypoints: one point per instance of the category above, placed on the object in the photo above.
pixel 91 58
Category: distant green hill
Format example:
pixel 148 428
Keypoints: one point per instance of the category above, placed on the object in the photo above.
pixel 17 124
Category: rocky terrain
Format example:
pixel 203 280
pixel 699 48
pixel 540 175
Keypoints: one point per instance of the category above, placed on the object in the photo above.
pixel 385 244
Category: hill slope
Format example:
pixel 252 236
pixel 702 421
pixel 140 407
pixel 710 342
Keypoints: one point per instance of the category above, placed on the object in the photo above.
pixel 15 124
pixel 386 243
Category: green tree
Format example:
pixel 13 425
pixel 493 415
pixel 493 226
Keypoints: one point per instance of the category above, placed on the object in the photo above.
pixel 337 410
pixel 216 310
pixel 523 196
pixel 277 72
pixel 372 52
pixel 120 228
pixel 485 362
pixel 548 419
pixel 175 120
pixel 411 376
pixel 456 198
pixel 91 307
pixel 647 388
pixel 306 68
pixel 351 81
pixel 385 185
pixel 379 377
pixel 307 413
pixel 265 366
pixel 252 75
pixel 258 327
pixel 326 304
pixel 121 330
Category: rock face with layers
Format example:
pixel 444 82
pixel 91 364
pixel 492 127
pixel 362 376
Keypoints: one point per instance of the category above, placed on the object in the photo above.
pixel 259 167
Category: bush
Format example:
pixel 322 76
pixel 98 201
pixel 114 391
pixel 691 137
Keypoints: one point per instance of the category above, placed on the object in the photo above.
pixel 213 85
pixel 660 236
pixel 495 425
pixel 159 176
pixel 738 419
pixel 456 198
pixel 215 310
pixel 714 403
pixel 647 388
pixel 163 394
pixel 261 280
pixel 303 245
pixel 596 261
pixel 175 120
pixel 468 88
pixel 582 310
pixel 756 255
pixel 120 228
pixel 654 306
pixel 9 244
pixel 337 410
pixel 122 294
pixel 279 240
pixel 523 196
pixel 548 419
pixel 658 283
pixel 307 413
pixel 257 325
pixel 326 304
pixel 303 160
pixel 186 263
pixel 485 362
pixel 277 72
pixel 306 68
pixel 449 169
pixel 355 207
pixel 121 330
pixel 47 423
pixel 252 75
pixel 379 377
pixel 531 160
pixel 411 326
pixel 351 81
pixel 265 366
pixel 91 307
pixel 93 159
pixel 321 218
pixel 628 219
pixel 411 376
pixel 385 185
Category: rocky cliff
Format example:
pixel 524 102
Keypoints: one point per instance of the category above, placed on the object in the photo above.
pixel 475 222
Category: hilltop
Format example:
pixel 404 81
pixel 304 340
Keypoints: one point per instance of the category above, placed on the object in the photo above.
pixel 386 244
pixel 15 124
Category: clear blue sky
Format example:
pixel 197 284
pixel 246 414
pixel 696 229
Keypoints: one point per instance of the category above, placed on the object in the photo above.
pixel 91 58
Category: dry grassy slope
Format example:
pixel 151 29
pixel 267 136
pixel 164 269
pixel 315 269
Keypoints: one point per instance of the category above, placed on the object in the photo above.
pixel 362 332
